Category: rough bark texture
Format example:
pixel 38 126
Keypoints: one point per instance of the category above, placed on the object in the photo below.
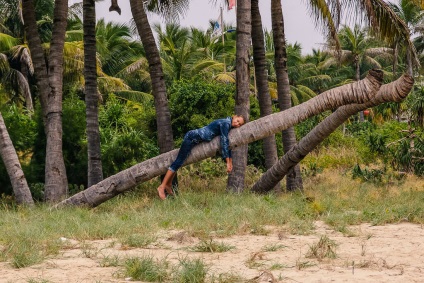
pixel 393 92
pixel 163 115
pixel 95 172
pixel 37 54
pixel 244 26
pixel 56 181
pixel 50 90
pixel 294 179
pixel 261 74
pixel 358 92
pixel 13 167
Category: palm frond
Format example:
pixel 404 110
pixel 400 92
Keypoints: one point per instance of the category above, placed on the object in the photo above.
pixel 7 42
pixel 327 15
pixel 229 77
pixel 134 96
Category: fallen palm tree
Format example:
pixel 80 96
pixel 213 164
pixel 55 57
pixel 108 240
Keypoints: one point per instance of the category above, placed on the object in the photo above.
pixel 358 93
pixel 392 92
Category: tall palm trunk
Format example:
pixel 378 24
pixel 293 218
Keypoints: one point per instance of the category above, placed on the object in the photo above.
pixel 163 114
pixel 394 92
pixel 244 26
pixel 95 173
pixel 50 86
pixel 294 179
pixel 358 92
pixel 13 167
pixel 265 105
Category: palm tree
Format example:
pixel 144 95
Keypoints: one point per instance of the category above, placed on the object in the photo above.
pixel 95 173
pixel 163 114
pixel 176 50
pixel 357 92
pixel 294 179
pixel 50 84
pixel 236 178
pixel 411 14
pixel 11 79
pixel 261 74
pixel 13 167
pixel 396 91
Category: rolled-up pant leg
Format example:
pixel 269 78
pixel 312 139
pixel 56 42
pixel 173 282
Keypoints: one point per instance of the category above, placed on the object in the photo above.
pixel 190 140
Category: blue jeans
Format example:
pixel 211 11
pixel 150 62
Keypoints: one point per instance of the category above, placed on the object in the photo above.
pixel 191 138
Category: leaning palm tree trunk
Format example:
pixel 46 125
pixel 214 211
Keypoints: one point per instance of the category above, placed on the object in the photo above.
pixel 393 92
pixel 358 92
pixel 13 167
pixel 265 105
pixel 294 179
pixel 244 27
pixel 95 172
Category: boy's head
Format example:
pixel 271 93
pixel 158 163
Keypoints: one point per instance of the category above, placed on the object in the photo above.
pixel 237 121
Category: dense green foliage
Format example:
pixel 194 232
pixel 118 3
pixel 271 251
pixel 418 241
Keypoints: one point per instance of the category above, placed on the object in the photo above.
pixel 200 79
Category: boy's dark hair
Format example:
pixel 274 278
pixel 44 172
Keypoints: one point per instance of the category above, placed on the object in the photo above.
pixel 242 116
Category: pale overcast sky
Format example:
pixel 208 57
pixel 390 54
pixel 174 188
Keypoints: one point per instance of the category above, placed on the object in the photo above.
pixel 299 26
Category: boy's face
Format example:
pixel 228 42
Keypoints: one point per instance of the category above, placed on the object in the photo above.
pixel 237 121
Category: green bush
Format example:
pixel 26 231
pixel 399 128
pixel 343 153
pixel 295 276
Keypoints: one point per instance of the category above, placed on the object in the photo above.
pixel 195 103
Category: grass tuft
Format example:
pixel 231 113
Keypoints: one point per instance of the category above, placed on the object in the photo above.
pixel 146 269
pixel 324 248
pixel 190 271
pixel 211 246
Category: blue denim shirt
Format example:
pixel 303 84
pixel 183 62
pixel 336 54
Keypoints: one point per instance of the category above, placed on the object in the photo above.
pixel 219 127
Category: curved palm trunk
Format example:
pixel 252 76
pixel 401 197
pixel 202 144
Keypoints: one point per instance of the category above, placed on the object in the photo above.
pixel 394 92
pixel 13 167
pixel 37 55
pixel 409 65
pixel 236 178
pixel 395 58
pixel 294 178
pixel 95 173
pixel 50 87
pixel 163 115
pixel 265 105
pixel 357 78
pixel 358 92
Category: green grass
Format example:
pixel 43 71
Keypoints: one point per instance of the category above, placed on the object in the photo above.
pixel 31 235
pixel 146 269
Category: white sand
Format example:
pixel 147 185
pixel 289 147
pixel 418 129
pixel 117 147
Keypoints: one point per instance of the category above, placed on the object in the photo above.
pixel 391 253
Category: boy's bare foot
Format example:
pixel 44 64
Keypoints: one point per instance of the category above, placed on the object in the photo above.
pixel 161 192
pixel 169 190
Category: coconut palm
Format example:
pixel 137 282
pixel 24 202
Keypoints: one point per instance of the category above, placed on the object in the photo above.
pixel 294 179
pixel 357 92
pixel 14 81
pixel 412 15
pixel 95 173
pixel 236 178
pixel 264 98
pixel 49 81
pixel 395 91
